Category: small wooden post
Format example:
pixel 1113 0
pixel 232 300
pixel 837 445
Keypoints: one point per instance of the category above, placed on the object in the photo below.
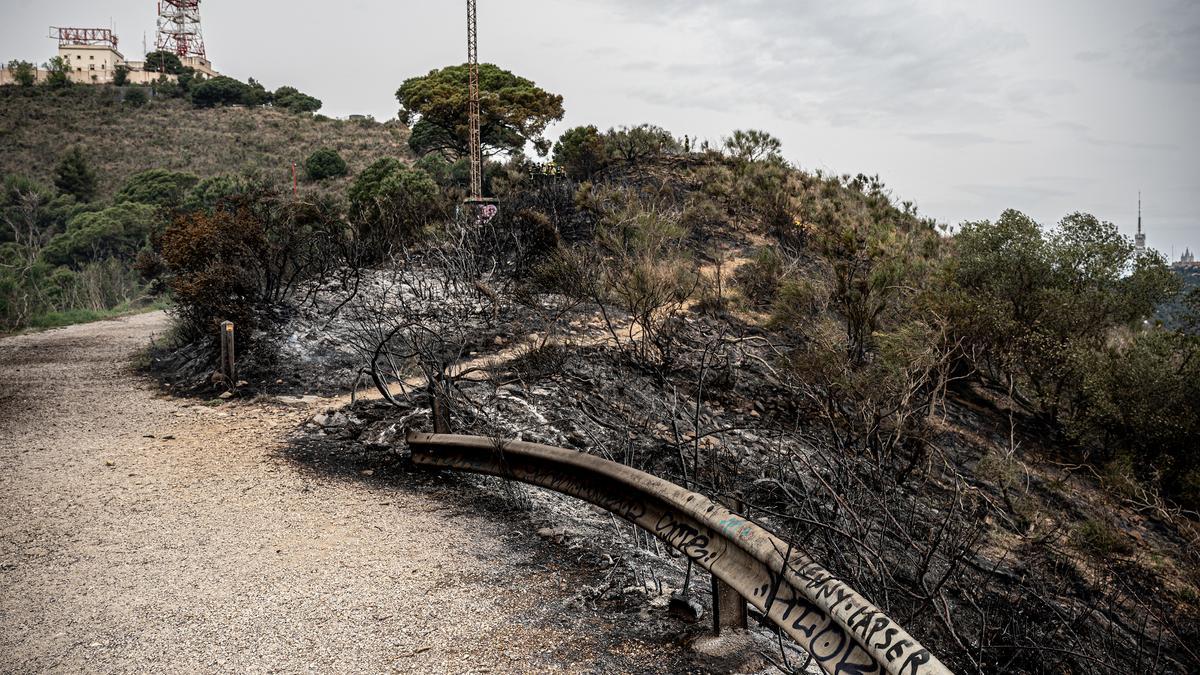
pixel 228 368
pixel 728 607
pixel 441 416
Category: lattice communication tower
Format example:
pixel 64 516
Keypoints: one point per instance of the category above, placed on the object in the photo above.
pixel 475 145
pixel 179 28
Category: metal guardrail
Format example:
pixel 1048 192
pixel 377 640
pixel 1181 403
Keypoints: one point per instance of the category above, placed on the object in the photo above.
pixel 842 630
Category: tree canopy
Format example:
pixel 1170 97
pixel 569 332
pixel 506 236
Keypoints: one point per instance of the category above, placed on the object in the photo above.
pixel 513 111
pixel 22 72
pixel 164 62
pixel 220 91
pixel 324 163
pixel 294 100
pixel 158 187
pixel 581 152
pixel 73 176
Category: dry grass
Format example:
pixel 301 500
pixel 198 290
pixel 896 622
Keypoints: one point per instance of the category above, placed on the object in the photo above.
pixel 38 125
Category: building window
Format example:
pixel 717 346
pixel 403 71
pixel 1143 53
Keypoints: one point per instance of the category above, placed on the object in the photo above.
pixel 92 57
pixel 78 57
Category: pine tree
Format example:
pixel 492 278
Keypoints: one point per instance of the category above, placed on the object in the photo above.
pixel 73 176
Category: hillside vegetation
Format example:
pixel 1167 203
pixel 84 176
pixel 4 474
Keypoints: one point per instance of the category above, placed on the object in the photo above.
pixel 91 175
pixel 38 124
pixel 978 431
pixel 975 431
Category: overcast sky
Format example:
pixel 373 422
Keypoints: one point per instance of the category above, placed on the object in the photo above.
pixel 966 108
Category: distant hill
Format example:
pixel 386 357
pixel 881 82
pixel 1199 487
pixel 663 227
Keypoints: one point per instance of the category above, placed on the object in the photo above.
pixel 37 125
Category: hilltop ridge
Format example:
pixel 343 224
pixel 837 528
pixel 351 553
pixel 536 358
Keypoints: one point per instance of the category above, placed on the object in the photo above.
pixel 120 138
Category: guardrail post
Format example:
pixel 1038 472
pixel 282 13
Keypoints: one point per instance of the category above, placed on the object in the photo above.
pixel 228 368
pixel 728 606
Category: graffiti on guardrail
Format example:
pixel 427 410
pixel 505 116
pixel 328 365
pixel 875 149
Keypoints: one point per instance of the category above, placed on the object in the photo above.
pixel 844 633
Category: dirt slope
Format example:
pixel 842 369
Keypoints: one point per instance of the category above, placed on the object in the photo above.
pixel 139 532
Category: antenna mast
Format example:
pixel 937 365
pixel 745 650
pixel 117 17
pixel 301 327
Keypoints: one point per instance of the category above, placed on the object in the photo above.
pixel 179 28
pixel 1139 241
pixel 473 107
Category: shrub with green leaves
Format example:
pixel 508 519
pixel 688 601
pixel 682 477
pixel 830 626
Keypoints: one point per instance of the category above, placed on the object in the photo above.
pixel 136 96
pixel 294 100
pixel 74 176
pixel 118 231
pixel 158 187
pixel 325 163
pixel 581 152
pixel 219 90
pixel 391 203
pixel 23 73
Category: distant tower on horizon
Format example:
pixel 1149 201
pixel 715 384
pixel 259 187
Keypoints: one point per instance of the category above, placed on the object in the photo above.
pixel 179 29
pixel 1139 241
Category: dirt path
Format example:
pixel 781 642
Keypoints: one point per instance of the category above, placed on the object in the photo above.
pixel 140 532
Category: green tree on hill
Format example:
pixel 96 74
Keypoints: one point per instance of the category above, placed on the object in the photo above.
pixel 158 187
pixel 219 91
pixel 391 202
pixel 59 74
pixel 1034 304
pixel 257 94
pixel 73 176
pixel 164 62
pixel 324 163
pixel 294 100
pixel 581 152
pixel 23 72
pixel 514 111
pixel 116 231
pixel 634 145
pixel 753 145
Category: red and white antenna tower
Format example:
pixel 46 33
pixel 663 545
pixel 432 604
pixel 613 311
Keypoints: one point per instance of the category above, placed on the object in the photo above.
pixel 179 28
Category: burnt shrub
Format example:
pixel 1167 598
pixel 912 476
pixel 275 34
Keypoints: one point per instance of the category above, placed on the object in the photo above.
pixel 240 261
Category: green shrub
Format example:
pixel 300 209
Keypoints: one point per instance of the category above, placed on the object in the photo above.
pixel 325 163
pixel 59 72
pixel 156 186
pixel 75 177
pixel 392 203
pixel 210 192
pixel 293 100
pixel 581 152
pixel 220 90
pixel 136 96
pixel 760 278
pixel 119 230
pixel 23 72
pixel 1098 537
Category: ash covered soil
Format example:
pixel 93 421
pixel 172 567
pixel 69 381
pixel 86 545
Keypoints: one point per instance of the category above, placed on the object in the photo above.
pixel 143 532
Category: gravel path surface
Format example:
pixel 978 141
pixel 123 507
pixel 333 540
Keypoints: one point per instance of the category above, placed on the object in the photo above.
pixel 140 532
